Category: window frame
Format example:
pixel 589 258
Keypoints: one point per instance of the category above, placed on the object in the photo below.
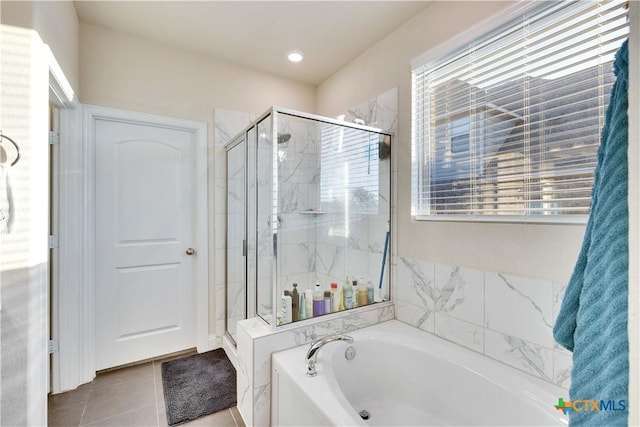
pixel 483 31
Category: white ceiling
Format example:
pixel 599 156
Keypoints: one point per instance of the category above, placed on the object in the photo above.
pixel 259 34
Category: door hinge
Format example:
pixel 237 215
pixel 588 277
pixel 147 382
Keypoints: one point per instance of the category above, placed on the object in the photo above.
pixel 53 242
pixel 53 346
pixel 54 138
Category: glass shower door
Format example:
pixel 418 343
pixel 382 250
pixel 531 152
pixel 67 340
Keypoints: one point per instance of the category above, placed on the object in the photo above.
pixel 236 291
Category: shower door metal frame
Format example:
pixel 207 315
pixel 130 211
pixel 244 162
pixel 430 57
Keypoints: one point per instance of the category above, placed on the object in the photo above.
pixel 241 138
pixel 251 174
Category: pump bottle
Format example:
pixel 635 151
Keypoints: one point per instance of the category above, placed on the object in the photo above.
pixel 318 301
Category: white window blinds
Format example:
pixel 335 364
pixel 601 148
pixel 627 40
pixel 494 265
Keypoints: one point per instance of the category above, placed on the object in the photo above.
pixel 349 176
pixel 511 125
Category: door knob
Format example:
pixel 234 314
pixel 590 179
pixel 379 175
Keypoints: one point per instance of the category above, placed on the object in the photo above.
pixel 190 251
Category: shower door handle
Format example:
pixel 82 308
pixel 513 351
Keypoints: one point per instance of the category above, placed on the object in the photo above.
pixel 190 251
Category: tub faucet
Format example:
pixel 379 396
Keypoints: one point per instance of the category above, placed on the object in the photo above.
pixel 315 348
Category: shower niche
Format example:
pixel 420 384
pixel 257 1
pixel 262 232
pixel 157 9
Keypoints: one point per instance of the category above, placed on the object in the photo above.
pixel 308 202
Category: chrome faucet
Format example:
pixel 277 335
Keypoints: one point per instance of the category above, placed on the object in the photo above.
pixel 312 354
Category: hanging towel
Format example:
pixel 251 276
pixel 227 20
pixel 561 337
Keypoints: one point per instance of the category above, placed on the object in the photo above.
pixel 593 317
pixel 6 202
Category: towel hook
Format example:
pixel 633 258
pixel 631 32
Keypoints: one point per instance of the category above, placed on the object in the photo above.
pixel 14 144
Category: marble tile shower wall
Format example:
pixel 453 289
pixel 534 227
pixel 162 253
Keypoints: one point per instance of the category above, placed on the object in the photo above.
pixel 505 317
pixel 235 231
pixel 298 182
pixel 360 254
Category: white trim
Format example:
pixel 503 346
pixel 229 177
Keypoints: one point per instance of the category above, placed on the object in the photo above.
pixel 91 114
pixel 87 304
pixel 67 325
pixel 69 369
pixel 59 86
pixel 231 351
pixel 469 35
pixel 502 219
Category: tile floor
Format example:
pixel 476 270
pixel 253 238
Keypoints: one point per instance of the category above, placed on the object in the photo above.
pixel 130 396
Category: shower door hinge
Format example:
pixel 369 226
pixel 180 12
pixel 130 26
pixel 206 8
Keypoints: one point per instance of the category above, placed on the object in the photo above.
pixel 53 242
pixel 53 346
pixel 244 247
pixel 54 138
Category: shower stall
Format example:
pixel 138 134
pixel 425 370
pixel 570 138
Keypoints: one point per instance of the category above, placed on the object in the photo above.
pixel 308 202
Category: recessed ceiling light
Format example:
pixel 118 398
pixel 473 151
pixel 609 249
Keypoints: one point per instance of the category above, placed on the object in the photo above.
pixel 295 57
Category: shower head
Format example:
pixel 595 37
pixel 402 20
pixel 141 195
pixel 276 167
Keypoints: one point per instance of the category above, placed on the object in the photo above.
pixel 283 137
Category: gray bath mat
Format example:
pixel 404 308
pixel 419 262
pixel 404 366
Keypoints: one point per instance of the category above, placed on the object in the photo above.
pixel 198 385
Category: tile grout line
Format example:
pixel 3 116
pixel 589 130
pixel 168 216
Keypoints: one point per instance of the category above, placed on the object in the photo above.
pixel 86 402
pixel 114 416
pixel 155 394
pixel 233 417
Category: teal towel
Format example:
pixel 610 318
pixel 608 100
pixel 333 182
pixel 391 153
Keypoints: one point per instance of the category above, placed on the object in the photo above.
pixel 593 318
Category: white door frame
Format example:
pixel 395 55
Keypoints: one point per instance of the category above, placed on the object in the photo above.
pixel 199 129
pixel 67 371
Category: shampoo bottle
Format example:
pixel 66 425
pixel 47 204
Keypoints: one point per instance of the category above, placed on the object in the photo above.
pixel 286 308
pixel 362 294
pixel 303 307
pixel 295 303
pixel 354 289
pixel 327 302
pixel 370 292
pixel 308 297
pixel 318 301
pixel 347 292
pixel 335 298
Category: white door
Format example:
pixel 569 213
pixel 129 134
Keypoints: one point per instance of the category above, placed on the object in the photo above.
pixel 145 267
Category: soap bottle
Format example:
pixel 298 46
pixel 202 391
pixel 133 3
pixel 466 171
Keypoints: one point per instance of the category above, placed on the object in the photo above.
pixel 347 291
pixel 303 307
pixel 286 307
pixel 295 303
pixel 308 297
pixel 362 293
pixel 327 302
pixel 335 298
pixel 318 301
pixel 370 292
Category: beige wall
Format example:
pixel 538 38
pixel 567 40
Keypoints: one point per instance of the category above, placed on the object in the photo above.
pixel 539 251
pixel 57 25
pixel 131 73
pixel 123 71
pixel 24 252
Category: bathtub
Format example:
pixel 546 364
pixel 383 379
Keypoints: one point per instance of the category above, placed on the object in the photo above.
pixel 402 376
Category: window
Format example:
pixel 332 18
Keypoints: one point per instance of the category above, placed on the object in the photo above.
pixel 510 124
pixel 349 175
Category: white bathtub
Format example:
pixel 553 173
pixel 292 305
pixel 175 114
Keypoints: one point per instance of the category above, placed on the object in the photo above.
pixel 402 376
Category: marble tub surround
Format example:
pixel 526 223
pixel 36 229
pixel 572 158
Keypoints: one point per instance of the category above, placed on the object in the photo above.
pixel 505 317
pixel 257 340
